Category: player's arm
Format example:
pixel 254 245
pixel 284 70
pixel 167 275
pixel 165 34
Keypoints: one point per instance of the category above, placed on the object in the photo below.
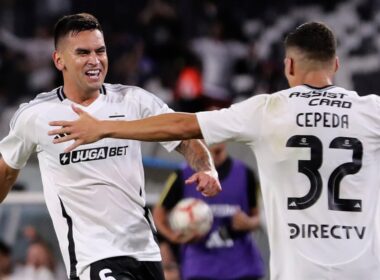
pixel 200 160
pixel 87 129
pixel 172 193
pixel 161 220
pixel 242 221
pixel 8 177
pixel 246 222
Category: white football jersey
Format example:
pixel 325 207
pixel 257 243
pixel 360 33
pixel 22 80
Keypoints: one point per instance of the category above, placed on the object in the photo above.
pixel 94 194
pixel 318 155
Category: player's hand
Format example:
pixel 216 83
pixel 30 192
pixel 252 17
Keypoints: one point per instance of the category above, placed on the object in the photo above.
pixel 84 130
pixel 207 182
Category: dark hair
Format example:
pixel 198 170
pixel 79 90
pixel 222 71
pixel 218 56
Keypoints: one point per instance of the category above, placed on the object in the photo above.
pixel 315 39
pixel 75 24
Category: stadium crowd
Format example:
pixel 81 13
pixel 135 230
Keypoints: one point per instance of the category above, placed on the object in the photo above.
pixel 183 50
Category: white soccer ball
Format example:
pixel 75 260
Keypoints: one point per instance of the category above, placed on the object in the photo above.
pixel 191 216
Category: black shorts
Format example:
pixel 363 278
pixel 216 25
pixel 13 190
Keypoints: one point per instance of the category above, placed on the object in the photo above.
pixel 126 268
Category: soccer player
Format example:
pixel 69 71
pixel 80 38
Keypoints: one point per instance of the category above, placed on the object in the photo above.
pixel 317 147
pixel 228 251
pixel 95 195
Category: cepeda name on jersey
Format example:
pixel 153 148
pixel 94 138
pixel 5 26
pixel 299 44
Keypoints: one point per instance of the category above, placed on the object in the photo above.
pixel 325 231
pixel 92 154
pixel 323 119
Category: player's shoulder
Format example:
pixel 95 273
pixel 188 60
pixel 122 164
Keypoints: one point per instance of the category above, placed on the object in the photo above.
pixel 259 99
pixel 117 91
pixel 127 93
pixel 39 104
pixel 123 90
pixel 366 100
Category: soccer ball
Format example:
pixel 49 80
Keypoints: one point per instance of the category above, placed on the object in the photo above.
pixel 191 216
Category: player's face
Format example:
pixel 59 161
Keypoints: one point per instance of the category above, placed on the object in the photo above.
pixel 82 58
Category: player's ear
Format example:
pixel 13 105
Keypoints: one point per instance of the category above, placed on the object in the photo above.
pixel 289 66
pixel 58 60
pixel 337 64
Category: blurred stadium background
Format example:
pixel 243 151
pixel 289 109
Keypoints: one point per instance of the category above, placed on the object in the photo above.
pixel 187 52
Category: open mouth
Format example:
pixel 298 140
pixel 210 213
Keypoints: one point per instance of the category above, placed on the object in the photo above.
pixel 93 74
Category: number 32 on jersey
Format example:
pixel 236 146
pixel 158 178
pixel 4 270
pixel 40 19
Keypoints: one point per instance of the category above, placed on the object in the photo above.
pixel 310 169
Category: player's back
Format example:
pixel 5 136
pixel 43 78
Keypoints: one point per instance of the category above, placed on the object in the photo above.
pixel 318 160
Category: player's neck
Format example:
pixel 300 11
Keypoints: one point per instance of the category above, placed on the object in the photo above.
pixel 317 79
pixel 84 98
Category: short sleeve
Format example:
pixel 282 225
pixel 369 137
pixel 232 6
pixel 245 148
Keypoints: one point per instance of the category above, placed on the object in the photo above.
pixel 20 143
pixel 152 106
pixel 241 122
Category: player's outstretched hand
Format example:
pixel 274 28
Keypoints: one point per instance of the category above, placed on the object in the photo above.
pixel 207 182
pixel 84 130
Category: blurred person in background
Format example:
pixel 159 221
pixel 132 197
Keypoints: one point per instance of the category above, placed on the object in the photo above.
pixel 228 251
pixel 5 261
pixel 188 90
pixel 95 196
pixel 218 56
pixel 169 261
pixel 37 51
pixel 39 263
pixel 39 255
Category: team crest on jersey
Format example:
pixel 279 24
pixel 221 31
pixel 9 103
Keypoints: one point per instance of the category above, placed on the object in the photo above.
pixel 92 154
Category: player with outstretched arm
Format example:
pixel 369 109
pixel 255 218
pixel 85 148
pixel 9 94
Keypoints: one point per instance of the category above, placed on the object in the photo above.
pixel 317 147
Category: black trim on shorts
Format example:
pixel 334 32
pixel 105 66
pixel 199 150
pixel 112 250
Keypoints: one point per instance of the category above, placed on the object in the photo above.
pixel 72 255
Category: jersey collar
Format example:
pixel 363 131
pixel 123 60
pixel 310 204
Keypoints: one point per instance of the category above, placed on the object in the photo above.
pixel 319 88
pixel 62 96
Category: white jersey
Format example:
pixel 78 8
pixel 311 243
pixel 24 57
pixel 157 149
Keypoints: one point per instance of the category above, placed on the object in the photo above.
pixel 318 154
pixel 94 194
